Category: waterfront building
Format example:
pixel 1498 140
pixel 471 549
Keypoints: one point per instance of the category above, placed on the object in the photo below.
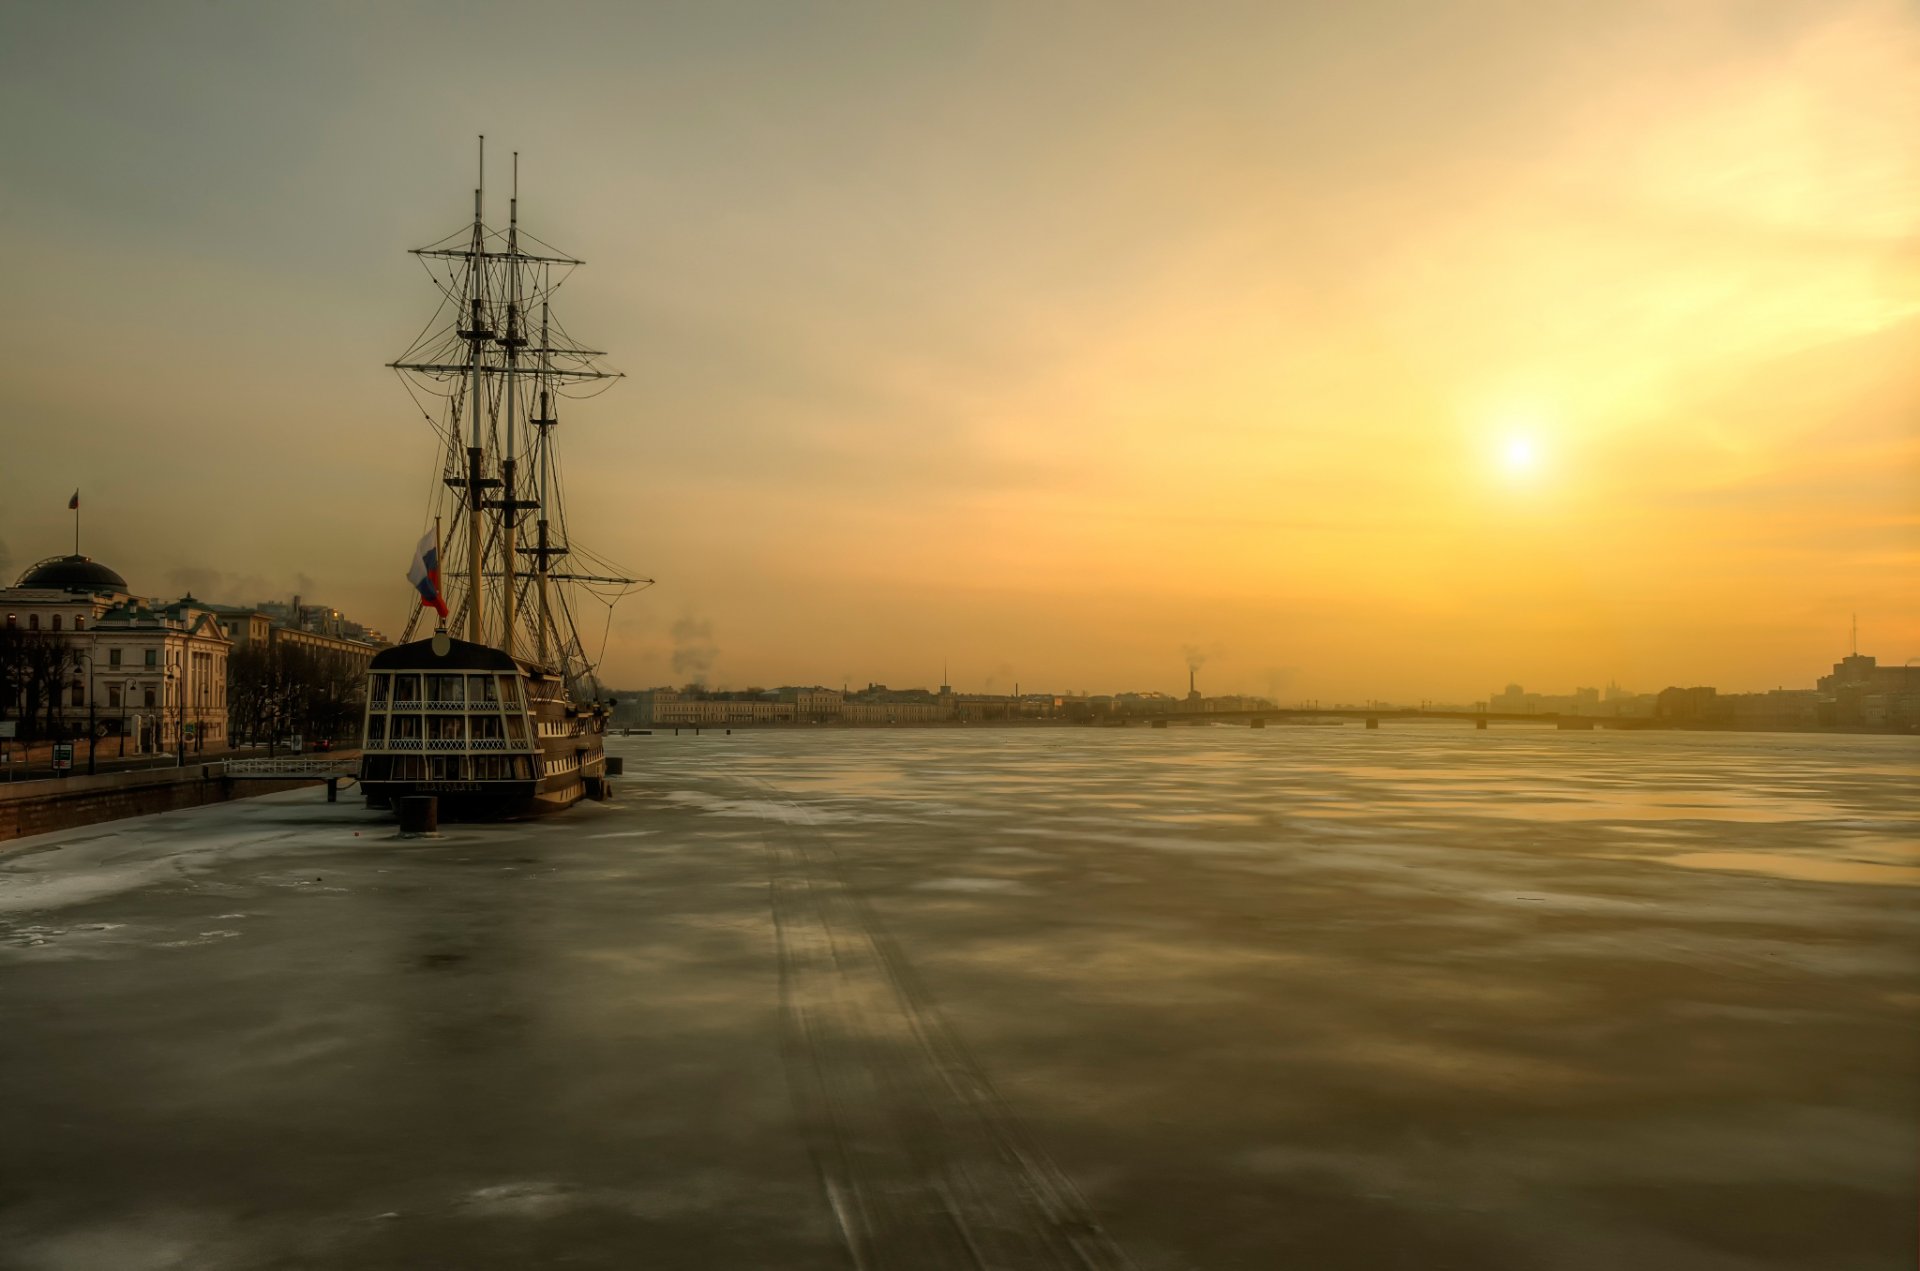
pixel 63 593
pixel 1697 705
pixel 978 708
pixel 814 705
pixel 247 628
pixel 323 619
pixel 896 709
pixel 149 671
pixel 700 708
pixel 1861 692
pixel 169 656
pixel 721 711
pixel 1780 708
pixel 1514 700
pixel 313 628
pixel 878 704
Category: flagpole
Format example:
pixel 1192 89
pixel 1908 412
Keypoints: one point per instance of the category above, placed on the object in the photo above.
pixel 439 592
pixel 76 522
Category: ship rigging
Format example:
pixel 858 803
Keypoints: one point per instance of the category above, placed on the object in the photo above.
pixel 497 362
pixel 499 712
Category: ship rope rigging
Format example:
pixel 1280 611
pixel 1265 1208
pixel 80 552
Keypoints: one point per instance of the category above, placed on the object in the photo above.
pixel 488 373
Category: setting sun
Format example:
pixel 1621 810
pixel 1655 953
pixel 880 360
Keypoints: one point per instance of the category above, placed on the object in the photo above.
pixel 1520 456
pixel 1210 635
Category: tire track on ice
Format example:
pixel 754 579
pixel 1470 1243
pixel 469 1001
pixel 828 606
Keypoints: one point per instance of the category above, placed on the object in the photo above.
pixel 923 1163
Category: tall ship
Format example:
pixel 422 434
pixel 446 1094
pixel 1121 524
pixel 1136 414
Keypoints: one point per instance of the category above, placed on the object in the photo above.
pixel 496 710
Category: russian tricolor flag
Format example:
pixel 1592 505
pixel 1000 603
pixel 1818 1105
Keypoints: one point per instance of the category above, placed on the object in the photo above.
pixel 425 574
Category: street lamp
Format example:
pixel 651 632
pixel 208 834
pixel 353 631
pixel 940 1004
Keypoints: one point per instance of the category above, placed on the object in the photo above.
pixel 180 730
pixel 93 735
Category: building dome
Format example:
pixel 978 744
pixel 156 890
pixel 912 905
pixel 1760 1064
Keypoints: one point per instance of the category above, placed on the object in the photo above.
pixel 72 573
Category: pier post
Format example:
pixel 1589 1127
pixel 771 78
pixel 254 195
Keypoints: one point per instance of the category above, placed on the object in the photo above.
pixel 1372 722
pixel 1480 722
pixel 419 814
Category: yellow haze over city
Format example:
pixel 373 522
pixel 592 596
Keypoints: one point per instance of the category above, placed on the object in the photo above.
pixel 1343 351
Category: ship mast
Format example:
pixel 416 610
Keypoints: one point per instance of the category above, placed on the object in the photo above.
pixel 476 334
pixel 545 423
pixel 509 506
pixel 474 424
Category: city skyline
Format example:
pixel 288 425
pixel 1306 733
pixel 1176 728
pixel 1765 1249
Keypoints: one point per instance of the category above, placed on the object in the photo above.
pixel 693 660
pixel 1377 353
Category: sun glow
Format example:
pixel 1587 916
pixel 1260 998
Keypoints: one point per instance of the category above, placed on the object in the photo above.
pixel 1520 456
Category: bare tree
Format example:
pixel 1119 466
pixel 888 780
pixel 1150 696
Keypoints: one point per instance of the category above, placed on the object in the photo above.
pixel 283 690
pixel 36 666
pixel 248 689
pixel 13 674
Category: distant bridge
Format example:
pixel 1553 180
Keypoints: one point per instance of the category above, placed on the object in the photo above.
pixel 1374 716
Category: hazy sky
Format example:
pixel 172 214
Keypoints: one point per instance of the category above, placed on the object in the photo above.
pixel 1389 349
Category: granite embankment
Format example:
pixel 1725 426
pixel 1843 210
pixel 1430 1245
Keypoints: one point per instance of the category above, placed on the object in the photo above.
pixel 38 807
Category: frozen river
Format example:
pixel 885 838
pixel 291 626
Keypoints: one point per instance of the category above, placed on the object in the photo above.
pixel 1200 997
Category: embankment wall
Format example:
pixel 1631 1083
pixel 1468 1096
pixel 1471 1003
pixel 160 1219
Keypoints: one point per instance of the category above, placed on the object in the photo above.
pixel 37 807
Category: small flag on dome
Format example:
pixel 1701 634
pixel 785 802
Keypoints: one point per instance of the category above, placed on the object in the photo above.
pixel 73 504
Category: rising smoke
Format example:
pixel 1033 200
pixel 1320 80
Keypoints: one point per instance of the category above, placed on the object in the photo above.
pixel 693 649
pixel 240 589
pixel 1197 656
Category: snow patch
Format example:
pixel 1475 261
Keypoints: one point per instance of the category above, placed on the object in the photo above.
pixel 1006 886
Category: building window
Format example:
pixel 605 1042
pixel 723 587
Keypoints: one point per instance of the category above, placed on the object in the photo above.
pixel 33 622
pixel 79 622
pixel 79 695
pixel 113 697
pixel 56 622
pixel 113 657
pixel 153 659
pixel 149 695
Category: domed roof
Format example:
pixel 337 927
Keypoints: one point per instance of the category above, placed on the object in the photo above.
pixel 73 573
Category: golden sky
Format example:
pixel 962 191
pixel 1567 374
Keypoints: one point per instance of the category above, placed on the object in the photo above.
pixel 1375 350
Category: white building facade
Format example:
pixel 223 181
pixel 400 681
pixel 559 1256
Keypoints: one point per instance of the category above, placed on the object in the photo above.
pixel 150 674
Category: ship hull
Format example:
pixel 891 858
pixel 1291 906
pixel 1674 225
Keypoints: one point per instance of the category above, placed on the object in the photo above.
pixel 491 737
pixel 482 800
